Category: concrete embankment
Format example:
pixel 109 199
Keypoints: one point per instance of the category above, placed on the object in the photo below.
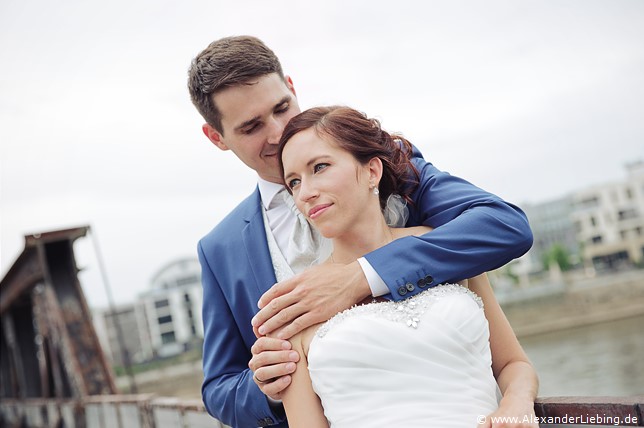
pixel 573 304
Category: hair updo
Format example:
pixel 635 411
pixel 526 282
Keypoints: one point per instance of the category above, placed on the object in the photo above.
pixel 364 138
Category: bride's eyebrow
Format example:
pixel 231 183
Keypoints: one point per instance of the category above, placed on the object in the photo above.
pixel 317 159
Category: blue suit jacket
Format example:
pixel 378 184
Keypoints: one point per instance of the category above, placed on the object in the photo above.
pixel 474 232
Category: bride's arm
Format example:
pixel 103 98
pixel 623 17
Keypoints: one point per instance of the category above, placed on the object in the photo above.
pixel 302 405
pixel 512 369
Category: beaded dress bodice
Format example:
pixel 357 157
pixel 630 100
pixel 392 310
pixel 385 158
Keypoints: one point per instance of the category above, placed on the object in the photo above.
pixel 421 362
pixel 407 311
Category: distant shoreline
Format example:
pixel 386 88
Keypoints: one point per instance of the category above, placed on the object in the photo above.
pixel 597 300
pixel 558 307
pixel 565 323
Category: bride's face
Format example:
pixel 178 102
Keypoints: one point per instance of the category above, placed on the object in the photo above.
pixel 330 187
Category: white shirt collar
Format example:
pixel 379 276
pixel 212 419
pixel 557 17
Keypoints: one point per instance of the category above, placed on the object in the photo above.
pixel 267 191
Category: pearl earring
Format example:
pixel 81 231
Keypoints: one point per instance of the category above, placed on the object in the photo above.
pixel 376 192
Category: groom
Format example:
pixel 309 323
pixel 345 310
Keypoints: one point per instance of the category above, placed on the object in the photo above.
pixel 238 86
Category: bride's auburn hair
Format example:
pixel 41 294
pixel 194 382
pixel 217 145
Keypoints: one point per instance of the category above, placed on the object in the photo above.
pixel 365 139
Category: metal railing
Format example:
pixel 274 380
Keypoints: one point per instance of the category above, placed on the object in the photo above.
pixel 106 411
pixel 149 411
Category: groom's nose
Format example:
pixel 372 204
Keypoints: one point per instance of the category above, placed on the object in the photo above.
pixel 275 129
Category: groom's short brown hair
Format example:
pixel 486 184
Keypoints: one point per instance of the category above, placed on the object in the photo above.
pixel 227 62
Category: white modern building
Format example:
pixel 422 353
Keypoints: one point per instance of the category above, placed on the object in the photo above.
pixel 164 321
pixel 552 224
pixel 609 220
pixel 124 329
pixel 601 226
pixel 173 307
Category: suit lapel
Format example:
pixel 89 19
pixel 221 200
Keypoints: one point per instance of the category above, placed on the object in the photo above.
pixel 256 245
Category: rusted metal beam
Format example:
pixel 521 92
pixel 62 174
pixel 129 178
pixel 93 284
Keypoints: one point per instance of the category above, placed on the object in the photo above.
pixel 13 362
pixel 23 275
pixel 27 270
pixel 57 352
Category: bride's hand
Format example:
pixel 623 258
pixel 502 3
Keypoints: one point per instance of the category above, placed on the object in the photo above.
pixel 310 297
pixel 511 414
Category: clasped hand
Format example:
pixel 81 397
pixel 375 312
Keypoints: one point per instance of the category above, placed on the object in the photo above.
pixel 289 307
pixel 309 298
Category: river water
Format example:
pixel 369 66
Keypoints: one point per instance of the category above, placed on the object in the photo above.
pixel 598 359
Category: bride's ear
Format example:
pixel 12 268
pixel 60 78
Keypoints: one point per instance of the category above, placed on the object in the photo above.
pixel 375 170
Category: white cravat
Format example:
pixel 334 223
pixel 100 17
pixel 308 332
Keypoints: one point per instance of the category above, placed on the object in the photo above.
pixel 305 243
pixel 285 223
pixel 279 217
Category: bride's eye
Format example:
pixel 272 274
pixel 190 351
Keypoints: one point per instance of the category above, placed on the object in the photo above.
pixel 319 167
pixel 294 182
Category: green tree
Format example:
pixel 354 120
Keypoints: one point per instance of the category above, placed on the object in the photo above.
pixel 557 254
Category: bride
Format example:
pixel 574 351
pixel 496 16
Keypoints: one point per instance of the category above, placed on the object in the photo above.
pixel 428 361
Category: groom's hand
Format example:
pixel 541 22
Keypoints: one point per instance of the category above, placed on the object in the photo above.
pixel 272 364
pixel 309 298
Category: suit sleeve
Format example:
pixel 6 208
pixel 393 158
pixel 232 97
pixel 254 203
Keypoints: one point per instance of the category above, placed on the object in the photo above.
pixel 474 232
pixel 228 391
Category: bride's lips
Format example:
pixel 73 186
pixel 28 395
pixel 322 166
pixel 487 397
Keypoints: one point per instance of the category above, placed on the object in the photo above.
pixel 317 210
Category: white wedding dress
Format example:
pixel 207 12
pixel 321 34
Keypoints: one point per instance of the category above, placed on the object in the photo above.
pixel 421 362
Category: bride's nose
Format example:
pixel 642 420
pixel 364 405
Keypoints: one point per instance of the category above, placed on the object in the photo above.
pixel 307 191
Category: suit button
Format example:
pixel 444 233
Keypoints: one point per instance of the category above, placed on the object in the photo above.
pixel 265 422
pixel 428 279
pixel 421 283
pixel 402 290
pixel 409 286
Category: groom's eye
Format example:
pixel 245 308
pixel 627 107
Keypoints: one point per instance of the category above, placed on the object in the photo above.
pixel 250 129
pixel 282 108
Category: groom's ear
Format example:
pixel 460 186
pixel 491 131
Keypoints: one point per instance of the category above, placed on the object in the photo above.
pixel 289 84
pixel 214 136
pixel 375 170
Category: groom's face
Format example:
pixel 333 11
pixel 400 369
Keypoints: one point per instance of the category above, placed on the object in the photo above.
pixel 253 118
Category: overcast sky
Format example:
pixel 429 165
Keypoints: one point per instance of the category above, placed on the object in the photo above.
pixel 527 99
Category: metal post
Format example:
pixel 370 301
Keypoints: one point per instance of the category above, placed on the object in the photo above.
pixel 125 354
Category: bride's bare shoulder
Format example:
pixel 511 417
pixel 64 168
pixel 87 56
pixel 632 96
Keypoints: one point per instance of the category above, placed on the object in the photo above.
pixel 306 336
pixel 401 232
pixel 302 340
